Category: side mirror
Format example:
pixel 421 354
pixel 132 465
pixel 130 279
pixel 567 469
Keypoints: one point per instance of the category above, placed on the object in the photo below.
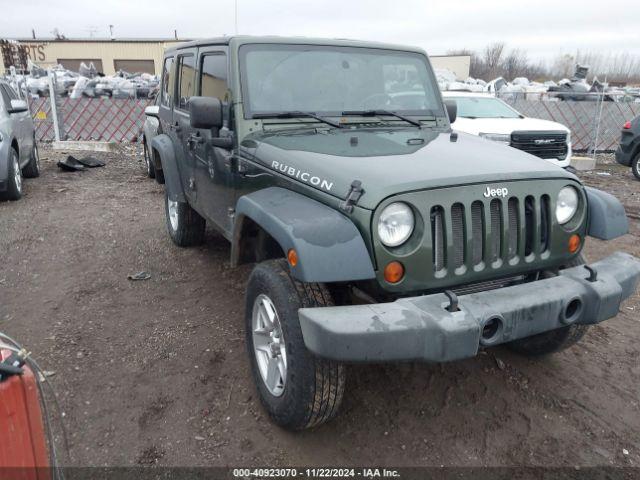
pixel 152 111
pixel 205 112
pixel 18 106
pixel 452 110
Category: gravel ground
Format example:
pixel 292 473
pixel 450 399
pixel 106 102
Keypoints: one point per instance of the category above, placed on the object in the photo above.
pixel 155 372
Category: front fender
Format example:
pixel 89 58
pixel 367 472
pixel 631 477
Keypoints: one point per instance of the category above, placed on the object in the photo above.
pixel 163 145
pixel 607 218
pixel 329 246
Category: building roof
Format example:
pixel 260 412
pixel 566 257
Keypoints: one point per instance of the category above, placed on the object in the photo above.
pixel 101 40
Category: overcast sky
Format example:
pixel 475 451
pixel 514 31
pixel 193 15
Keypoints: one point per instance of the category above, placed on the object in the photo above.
pixel 542 27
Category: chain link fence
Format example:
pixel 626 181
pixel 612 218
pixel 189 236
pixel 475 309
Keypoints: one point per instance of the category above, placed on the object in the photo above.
pixel 595 121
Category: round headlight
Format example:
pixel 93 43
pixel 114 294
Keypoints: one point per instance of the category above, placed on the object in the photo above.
pixel 395 224
pixel 566 205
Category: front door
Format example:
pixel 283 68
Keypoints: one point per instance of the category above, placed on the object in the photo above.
pixel 214 173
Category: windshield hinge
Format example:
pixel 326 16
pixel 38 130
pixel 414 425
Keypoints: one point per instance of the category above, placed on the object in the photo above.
pixel 353 195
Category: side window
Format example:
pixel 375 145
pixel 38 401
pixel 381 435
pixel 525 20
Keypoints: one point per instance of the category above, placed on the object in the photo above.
pixel 11 92
pixel 213 76
pixel 5 99
pixel 165 99
pixel 186 77
pixel 4 96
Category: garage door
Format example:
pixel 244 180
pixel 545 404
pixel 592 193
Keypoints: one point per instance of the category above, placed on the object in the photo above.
pixel 135 66
pixel 73 64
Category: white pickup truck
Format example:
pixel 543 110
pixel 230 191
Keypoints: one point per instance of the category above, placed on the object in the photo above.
pixel 489 117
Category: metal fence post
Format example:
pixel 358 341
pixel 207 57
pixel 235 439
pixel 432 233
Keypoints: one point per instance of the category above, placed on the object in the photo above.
pixel 54 107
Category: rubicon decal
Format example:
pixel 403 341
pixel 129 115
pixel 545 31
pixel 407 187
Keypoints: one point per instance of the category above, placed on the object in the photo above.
pixel 495 192
pixel 304 176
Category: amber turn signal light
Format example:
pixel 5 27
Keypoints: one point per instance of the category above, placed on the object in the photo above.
pixel 292 257
pixel 574 243
pixel 393 272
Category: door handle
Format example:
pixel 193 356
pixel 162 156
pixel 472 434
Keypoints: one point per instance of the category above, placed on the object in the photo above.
pixel 193 140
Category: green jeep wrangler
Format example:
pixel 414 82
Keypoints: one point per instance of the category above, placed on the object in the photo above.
pixel 378 234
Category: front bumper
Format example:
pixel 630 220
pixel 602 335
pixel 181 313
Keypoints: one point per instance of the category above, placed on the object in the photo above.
pixel 420 328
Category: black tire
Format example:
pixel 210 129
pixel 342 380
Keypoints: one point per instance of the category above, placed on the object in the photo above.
pixel 14 185
pixel 32 169
pixel 314 387
pixel 555 340
pixel 187 227
pixel 151 169
pixel 635 165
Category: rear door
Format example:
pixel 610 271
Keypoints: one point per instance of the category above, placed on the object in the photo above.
pixel 214 172
pixel 184 90
pixel 165 104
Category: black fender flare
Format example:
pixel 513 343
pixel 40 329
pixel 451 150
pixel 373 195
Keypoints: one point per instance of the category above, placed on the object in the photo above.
pixel 328 244
pixel 607 218
pixel 163 145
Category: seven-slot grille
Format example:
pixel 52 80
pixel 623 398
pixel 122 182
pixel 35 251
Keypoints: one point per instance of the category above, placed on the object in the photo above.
pixel 541 144
pixel 487 231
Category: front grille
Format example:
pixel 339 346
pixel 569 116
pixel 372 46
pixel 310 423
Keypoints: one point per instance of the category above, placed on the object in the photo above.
pixel 488 232
pixel 541 144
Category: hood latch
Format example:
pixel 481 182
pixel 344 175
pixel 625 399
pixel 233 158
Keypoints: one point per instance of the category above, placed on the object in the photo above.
pixel 353 195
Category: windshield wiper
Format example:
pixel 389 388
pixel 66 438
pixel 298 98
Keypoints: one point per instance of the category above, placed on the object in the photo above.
pixel 374 113
pixel 296 114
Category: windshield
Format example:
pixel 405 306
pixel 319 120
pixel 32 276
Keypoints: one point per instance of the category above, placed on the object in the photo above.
pixel 479 107
pixel 329 80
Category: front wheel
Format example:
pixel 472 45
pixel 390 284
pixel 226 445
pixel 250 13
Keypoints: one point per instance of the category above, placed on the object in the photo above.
pixel 297 389
pixel 635 166
pixel 14 178
pixel 186 227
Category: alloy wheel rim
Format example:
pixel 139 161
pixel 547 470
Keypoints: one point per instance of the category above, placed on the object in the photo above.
pixel 16 173
pixel 172 206
pixel 269 345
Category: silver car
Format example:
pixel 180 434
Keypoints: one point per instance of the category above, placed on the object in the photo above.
pixel 151 129
pixel 18 147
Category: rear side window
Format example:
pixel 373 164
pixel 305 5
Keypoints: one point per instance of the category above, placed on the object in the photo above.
pixel 213 76
pixel 5 99
pixel 186 79
pixel 10 91
pixel 166 82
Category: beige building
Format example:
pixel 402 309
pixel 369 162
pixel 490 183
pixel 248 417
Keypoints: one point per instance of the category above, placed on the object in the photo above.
pixel 458 64
pixel 145 55
pixel 108 56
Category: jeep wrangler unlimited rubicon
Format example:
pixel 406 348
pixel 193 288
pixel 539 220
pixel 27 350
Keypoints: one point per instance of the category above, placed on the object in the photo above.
pixel 378 234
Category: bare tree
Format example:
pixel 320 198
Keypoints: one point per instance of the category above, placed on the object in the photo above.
pixel 492 57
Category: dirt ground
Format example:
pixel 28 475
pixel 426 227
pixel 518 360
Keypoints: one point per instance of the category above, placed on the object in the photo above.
pixel 155 371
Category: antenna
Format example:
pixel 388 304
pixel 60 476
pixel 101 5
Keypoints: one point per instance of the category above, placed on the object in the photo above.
pixel 236 15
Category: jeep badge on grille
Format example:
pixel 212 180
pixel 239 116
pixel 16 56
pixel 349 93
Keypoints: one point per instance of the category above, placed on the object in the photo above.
pixel 495 192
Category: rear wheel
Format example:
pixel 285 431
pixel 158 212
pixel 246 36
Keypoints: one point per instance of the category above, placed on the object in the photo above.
pixel 554 340
pixel 14 178
pixel 186 227
pixel 151 171
pixel 297 389
pixel 635 166
pixel 32 169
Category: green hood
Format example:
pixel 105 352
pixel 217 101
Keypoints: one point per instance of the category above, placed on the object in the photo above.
pixel 393 161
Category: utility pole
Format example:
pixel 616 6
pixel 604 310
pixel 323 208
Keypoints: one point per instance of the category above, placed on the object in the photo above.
pixel 111 32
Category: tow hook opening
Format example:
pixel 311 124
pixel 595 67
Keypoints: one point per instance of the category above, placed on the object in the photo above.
pixel 491 330
pixel 572 310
